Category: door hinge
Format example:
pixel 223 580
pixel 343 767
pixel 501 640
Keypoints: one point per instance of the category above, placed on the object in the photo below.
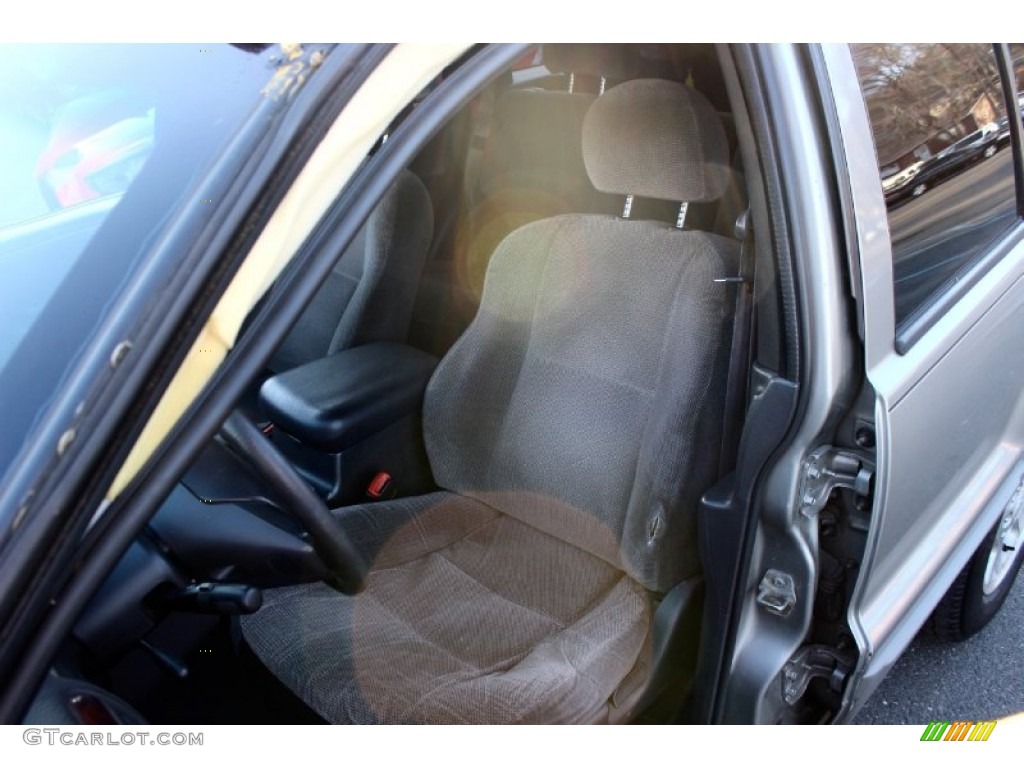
pixel 828 468
pixel 813 661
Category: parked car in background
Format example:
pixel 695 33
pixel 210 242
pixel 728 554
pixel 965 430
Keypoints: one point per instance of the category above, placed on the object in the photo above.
pixel 390 384
pixel 898 181
pixel 75 169
pixel 972 148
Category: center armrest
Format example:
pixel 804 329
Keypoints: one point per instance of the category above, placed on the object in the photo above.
pixel 338 401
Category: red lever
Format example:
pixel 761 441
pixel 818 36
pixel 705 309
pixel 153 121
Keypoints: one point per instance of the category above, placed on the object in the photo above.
pixel 91 711
pixel 379 485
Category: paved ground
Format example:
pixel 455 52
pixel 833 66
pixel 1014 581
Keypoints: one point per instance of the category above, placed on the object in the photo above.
pixel 981 679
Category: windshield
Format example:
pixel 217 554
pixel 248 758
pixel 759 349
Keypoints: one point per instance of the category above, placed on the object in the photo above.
pixel 100 144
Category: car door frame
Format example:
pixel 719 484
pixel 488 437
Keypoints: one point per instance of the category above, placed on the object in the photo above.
pixel 125 517
pixel 57 496
pixel 774 534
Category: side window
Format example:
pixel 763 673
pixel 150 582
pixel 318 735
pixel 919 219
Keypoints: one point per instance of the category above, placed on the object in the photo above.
pixel 942 137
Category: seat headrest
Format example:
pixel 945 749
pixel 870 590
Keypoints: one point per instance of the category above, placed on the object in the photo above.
pixel 596 59
pixel 656 138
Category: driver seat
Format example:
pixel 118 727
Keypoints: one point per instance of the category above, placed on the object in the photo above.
pixel 573 427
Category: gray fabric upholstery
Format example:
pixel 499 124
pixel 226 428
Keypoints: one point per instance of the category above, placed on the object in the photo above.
pixel 370 292
pixel 537 143
pixel 468 616
pixel 585 396
pixel 577 420
pixel 655 138
pixel 573 426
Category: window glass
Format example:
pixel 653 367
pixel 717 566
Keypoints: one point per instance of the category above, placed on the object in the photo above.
pixel 98 146
pixel 943 144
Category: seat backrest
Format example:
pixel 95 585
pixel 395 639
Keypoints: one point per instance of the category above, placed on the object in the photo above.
pixel 370 292
pixel 535 147
pixel 586 396
pixel 524 163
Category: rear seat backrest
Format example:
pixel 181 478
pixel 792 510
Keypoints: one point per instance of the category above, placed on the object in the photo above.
pixel 370 292
pixel 531 168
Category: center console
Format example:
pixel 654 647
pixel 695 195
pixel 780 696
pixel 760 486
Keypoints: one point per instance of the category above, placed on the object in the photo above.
pixel 350 418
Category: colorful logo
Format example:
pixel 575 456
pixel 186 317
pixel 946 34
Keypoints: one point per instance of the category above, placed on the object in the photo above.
pixel 960 730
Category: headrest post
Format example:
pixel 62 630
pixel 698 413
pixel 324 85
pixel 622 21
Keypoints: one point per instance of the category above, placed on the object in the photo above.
pixel 572 81
pixel 600 91
pixel 681 218
pixel 628 207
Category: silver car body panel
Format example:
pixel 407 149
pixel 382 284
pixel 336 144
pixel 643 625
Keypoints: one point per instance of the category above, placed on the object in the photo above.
pixel 785 539
pixel 949 413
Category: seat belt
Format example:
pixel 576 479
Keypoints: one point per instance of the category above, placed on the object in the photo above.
pixel 740 351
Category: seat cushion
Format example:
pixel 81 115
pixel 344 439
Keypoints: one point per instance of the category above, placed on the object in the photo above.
pixel 468 615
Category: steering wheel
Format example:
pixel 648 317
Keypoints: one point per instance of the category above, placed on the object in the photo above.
pixel 345 566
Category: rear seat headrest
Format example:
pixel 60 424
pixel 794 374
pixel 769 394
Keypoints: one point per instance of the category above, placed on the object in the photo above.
pixel 658 139
pixel 597 59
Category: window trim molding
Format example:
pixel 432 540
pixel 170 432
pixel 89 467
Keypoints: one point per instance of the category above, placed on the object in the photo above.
pixel 1011 93
pixel 935 307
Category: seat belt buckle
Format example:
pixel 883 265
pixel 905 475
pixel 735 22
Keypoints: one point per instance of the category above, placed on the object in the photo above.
pixel 381 487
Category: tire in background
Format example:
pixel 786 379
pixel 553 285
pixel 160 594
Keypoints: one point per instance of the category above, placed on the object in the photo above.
pixel 965 609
